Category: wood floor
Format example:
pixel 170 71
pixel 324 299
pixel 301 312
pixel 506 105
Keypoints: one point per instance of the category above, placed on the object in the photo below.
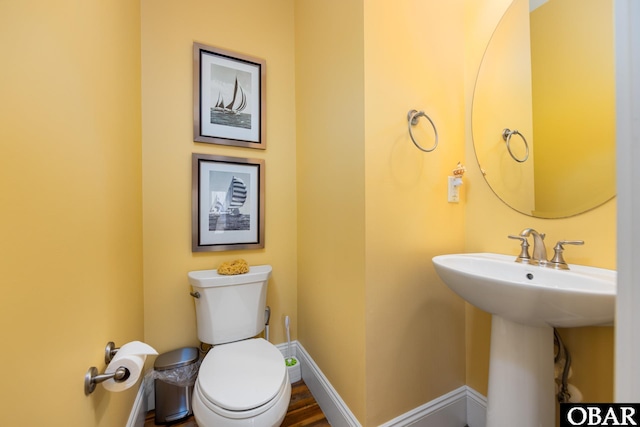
pixel 303 411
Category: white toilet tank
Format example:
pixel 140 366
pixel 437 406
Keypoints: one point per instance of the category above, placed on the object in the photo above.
pixel 230 308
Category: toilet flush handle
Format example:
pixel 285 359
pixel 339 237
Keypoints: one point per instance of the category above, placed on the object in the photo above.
pixel 195 294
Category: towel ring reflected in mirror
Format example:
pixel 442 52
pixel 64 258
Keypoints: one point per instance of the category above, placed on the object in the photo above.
pixel 506 135
pixel 413 117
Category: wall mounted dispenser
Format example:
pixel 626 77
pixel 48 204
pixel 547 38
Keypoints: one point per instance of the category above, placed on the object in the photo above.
pixel 454 182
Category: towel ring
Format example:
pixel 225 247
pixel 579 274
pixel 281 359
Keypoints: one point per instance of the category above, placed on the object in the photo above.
pixel 412 117
pixel 506 135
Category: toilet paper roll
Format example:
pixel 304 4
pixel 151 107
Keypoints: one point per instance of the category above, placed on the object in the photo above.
pixel 131 356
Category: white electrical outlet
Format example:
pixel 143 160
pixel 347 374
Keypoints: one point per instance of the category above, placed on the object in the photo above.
pixel 453 190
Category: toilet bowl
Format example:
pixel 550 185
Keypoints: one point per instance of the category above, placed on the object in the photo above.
pixel 242 384
pixel 243 380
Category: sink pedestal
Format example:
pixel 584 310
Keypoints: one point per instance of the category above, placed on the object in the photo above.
pixel 521 375
pixel 525 300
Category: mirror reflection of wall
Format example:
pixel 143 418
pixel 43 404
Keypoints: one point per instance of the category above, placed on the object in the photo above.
pixel 549 74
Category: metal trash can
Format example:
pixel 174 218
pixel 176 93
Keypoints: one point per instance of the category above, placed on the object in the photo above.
pixel 175 376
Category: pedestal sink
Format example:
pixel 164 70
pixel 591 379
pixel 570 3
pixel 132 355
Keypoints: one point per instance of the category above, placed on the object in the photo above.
pixel 526 303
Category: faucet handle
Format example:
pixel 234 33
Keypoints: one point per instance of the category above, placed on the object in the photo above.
pixel 524 249
pixel 558 261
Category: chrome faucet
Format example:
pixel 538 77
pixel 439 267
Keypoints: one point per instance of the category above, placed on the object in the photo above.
pixel 539 256
pixel 539 250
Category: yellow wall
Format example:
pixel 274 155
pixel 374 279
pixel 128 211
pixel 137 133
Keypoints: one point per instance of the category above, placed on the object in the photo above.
pixel 414 324
pixel 70 217
pixel 489 221
pixel 354 211
pixel 331 245
pixel 169 29
pixel 372 207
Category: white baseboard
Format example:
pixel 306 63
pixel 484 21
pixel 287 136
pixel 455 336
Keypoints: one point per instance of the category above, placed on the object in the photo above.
pixel 337 412
pixel 476 409
pixel 140 405
pixel 447 410
pixel 460 407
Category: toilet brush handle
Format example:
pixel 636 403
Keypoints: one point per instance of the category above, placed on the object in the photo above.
pixel 286 325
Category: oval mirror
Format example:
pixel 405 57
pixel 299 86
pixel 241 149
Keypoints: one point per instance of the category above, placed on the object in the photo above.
pixel 548 73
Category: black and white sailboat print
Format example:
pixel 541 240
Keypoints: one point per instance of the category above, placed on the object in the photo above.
pixel 230 108
pixel 225 212
pixel 238 102
pixel 236 196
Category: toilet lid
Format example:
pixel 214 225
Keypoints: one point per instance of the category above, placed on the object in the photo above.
pixel 242 375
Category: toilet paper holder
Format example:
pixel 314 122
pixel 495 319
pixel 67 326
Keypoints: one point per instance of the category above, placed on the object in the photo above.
pixel 110 350
pixel 92 378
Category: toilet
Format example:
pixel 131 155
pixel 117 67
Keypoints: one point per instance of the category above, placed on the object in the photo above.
pixel 243 380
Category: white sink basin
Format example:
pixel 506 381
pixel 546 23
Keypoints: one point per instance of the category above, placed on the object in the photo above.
pixel 533 295
pixel 526 302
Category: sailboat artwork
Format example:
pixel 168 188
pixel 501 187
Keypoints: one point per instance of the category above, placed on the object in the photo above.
pixel 230 108
pixel 226 211
pixel 229 98
pixel 238 102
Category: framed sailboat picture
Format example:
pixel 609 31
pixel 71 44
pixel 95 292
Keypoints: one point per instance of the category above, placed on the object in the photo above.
pixel 228 98
pixel 227 203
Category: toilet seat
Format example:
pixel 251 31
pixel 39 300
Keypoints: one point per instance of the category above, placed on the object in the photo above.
pixel 241 377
